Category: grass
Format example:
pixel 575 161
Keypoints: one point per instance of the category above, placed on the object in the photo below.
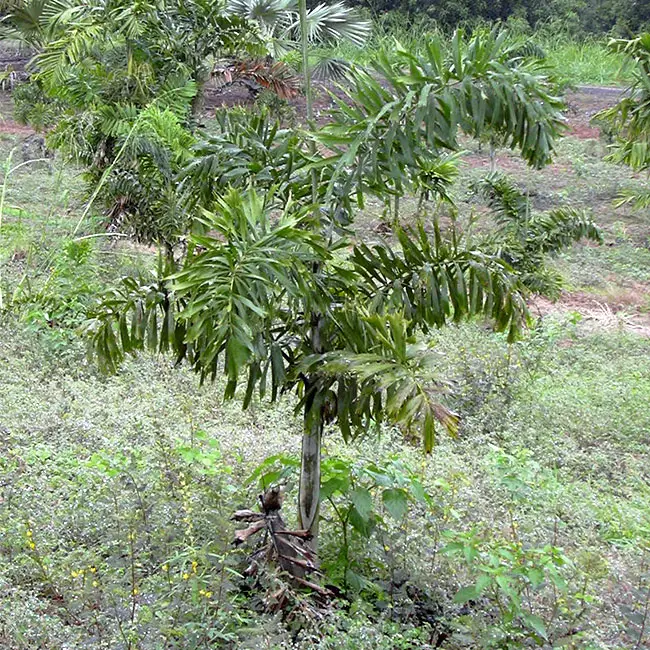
pixel 587 62
pixel 116 492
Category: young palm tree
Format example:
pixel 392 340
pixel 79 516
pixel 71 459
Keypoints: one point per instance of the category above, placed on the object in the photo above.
pixel 343 339
pixel 287 303
pixel 524 239
pixel 630 118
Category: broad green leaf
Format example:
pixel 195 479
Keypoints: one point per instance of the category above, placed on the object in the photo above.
pixel 362 500
pixel 396 502
pixel 466 594
pixel 536 624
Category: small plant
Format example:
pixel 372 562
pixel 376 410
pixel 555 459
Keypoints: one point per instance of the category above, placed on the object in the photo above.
pixel 526 587
pixel 361 497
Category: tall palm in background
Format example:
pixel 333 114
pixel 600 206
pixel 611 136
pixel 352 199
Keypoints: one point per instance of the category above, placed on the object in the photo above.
pixel 281 26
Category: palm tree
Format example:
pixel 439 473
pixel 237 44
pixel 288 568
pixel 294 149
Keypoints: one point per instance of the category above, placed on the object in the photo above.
pixel 280 24
pixel 289 303
pixel 630 118
pixel 525 239
pixel 343 339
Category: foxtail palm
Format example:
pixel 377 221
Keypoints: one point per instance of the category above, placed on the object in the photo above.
pixel 289 304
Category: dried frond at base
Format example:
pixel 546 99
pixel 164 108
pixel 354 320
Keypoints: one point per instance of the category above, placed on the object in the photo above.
pixel 258 74
pixel 285 549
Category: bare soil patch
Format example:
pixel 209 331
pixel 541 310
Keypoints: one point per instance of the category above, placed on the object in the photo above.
pixel 597 312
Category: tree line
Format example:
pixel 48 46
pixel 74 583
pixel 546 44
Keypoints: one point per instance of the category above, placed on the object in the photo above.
pixel 618 17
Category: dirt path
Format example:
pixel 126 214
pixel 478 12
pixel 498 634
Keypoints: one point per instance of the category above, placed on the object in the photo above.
pixel 583 103
pixel 594 314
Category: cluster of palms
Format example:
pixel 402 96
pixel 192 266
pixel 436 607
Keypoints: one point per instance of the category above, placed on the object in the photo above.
pixel 260 277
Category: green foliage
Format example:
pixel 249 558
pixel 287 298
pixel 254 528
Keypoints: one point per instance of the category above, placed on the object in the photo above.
pixel 509 575
pixel 279 23
pixel 629 119
pixel 363 497
pixel 524 240
pixel 119 81
pixel 390 133
pixel 248 295
pixel 574 16
pixel 78 442
pixel 437 279
pixel 32 106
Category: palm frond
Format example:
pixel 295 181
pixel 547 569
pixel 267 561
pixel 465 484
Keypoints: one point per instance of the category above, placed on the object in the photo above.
pixel 524 239
pixel 328 68
pixel 435 281
pixel 507 203
pixel 277 77
pixel 640 199
pixel 235 282
pixel 382 128
pixel 394 379
pixel 629 119
pixel 279 24
pixel 334 22
pixel 138 314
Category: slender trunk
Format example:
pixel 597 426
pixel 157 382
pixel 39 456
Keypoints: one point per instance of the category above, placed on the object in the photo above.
pixel 420 209
pixel 198 102
pixel 309 486
pixel 309 489
pixel 493 156
pixel 309 100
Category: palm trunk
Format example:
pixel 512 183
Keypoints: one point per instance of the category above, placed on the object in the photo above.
pixel 309 488
pixel 493 156
pixel 420 209
pixel 309 100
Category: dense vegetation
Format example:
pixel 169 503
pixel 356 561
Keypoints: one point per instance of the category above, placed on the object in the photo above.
pixel 580 16
pixel 429 454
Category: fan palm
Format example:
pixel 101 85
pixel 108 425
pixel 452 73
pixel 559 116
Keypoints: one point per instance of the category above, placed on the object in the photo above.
pixel 279 23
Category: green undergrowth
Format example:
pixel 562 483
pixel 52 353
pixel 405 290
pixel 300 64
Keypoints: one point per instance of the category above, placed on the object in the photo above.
pixel 118 491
